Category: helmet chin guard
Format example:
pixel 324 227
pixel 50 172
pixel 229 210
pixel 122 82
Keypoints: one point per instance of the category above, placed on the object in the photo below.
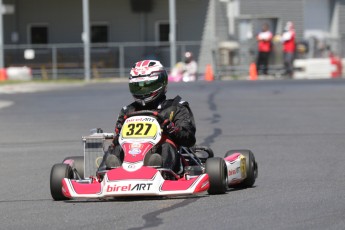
pixel 147 99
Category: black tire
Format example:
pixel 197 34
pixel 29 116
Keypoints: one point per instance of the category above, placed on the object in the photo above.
pixel 251 168
pixel 58 172
pixel 78 164
pixel 218 175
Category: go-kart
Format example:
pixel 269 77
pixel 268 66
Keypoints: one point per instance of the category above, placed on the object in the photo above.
pixel 200 171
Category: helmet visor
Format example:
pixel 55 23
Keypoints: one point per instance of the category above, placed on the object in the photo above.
pixel 142 86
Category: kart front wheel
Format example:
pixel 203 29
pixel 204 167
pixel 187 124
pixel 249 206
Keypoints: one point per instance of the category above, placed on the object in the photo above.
pixel 251 168
pixel 217 173
pixel 58 172
pixel 77 162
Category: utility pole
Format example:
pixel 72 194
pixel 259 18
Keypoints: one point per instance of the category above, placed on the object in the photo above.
pixel 172 34
pixel 86 39
pixel 1 35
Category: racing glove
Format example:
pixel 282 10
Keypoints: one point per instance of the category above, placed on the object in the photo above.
pixel 169 127
pixel 118 128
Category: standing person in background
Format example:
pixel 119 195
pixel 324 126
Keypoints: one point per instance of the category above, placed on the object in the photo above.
pixel 264 39
pixel 190 68
pixel 288 39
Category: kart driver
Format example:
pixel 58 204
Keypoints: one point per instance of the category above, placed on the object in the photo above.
pixel 148 82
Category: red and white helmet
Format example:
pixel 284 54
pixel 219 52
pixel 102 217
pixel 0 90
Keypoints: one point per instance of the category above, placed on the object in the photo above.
pixel 148 81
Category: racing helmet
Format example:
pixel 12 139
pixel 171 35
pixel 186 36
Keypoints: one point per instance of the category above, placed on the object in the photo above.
pixel 148 81
pixel 188 57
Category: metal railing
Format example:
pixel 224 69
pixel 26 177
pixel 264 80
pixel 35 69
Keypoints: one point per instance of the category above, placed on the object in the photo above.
pixel 53 61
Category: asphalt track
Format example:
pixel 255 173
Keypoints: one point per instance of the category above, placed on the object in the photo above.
pixel 296 130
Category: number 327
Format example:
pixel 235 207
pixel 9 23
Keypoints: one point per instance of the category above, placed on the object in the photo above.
pixel 137 129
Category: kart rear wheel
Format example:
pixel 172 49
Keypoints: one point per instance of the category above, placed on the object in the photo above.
pixel 78 164
pixel 218 176
pixel 58 172
pixel 251 168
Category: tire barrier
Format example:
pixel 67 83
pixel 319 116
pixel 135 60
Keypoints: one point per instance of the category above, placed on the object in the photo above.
pixel 16 74
pixel 318 68
pixel 335 61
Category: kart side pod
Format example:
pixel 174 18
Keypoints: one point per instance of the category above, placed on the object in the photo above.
pixel 242 169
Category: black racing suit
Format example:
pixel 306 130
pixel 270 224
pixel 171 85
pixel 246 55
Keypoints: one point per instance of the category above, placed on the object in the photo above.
pixel 179 113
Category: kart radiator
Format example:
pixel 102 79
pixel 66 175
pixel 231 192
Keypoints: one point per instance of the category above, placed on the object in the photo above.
pixel 93 154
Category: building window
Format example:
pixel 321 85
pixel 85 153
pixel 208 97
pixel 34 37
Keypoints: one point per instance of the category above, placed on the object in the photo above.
pixel 39 34
pixel 99 33
pixel 162 31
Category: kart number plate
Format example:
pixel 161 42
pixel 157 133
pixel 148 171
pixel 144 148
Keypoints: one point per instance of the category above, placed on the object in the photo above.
pixel 139 130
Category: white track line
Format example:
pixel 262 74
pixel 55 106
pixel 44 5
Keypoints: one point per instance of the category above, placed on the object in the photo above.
pixel 34 87
pixel 4 104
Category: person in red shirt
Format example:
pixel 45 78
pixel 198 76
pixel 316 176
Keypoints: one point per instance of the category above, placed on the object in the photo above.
pixel 288 39
pixel 264 39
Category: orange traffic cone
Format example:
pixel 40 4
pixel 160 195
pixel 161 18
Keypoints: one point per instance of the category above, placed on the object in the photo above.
pixel 3 74
pixel 253 73
pixel 209 73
